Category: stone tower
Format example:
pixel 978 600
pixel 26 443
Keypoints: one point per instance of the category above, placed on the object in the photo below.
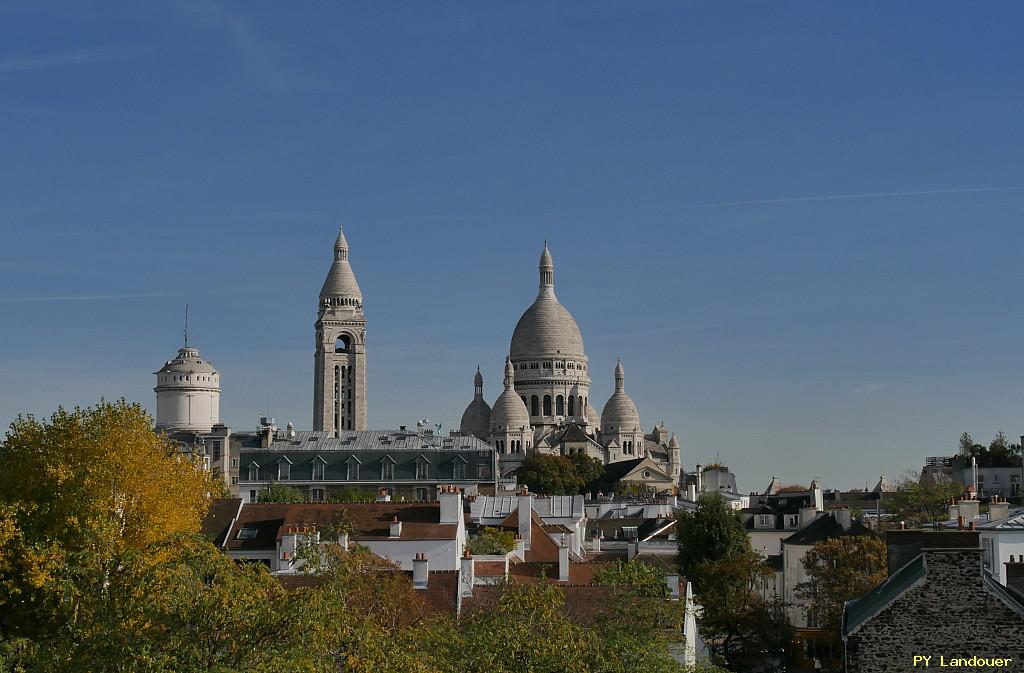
pixel 187 393
pixel 339 388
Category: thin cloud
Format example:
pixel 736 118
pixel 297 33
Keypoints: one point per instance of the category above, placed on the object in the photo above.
pixel 257 53
pixel 89 297
pixel 864 195
pixel 868 388
pixel 69 58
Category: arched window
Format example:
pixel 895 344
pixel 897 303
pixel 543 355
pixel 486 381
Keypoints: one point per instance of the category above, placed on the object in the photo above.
pixel 547 405
pixel 342 344
pixel 572 405
pixel 560 406
pixel 534 406
pixel 583 409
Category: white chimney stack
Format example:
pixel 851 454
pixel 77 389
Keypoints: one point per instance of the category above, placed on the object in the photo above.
pixel 451 504
pixel 525 516
pixel 420 571
pixel 382 495
pixel 467 575
pixel 563 562
pixel 396 527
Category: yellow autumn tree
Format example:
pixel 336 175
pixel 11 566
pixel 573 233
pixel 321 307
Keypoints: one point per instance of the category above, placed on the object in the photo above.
pixel 79 490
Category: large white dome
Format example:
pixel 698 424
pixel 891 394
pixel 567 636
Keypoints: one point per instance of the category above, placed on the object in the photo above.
pixel 546 328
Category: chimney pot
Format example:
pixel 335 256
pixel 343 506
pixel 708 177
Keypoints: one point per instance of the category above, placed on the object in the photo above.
pixel 973 526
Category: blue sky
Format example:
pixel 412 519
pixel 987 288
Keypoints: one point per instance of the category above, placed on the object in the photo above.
pixel 799 224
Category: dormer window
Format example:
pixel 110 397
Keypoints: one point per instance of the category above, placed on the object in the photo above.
pixel 352 469
pixel 422 467
pixel 459 468
pixel 319 465
pixel 387 468
pixel 284 469
pixel 254 472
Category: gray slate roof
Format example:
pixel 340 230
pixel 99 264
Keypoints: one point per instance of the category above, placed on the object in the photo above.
pixel 364 440
pixel 870 604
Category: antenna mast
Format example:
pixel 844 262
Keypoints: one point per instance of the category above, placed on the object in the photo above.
pixel 186 325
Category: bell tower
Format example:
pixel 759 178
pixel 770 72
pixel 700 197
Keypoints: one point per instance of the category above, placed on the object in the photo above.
pixel 339 387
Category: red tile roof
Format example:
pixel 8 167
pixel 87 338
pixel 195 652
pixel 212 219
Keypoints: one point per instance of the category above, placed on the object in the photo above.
pixel 371 521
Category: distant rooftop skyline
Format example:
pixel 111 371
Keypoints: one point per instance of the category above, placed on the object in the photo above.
pixel 798 225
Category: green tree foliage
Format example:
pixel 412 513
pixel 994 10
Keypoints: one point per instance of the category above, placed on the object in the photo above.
pixel 492 541
pixel 275 492
pixel 351 494
pixel 999 453
pixel 712 532
pixel 839 570
pixel 640 624
pixel 590 471
pixel 741 622
pixel 80 490
pixel 550 475
pixel 919 501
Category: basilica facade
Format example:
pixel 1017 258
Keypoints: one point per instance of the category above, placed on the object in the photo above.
pixel 545 407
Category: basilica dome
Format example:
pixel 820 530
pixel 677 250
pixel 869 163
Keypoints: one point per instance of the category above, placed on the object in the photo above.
pixel 546 329
pixel 620 413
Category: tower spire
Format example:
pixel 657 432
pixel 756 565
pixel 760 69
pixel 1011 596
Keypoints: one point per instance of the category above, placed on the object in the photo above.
pixel 478 383
pixel 186 325
pixel 510 374
pixel 547 270
pixel 620 377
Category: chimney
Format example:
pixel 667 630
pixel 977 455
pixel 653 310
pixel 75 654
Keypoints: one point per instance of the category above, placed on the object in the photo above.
pixel 807 515
pixel 691 492
pixel 842 516
pixel 969 509
pixel 396 527
pixel 420 571
pixel 998 509
pixel 954 510
pixel 563 562
pixel 451 504
pixel 960 522
pixel 1015 573
pixel 467 576
pixel 343 540
pixel 525 515
pixel 632 549
pixel 595 542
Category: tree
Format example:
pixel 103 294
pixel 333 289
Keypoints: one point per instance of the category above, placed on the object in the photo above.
pixel 275 492
pixel 590 471
pixel 639 623
pixel 740 623
pixel 492 541
pixel 514 628
pixel 711 532
pixel 838 570
pixel 550 475
pixel 917 501
pixel 80 490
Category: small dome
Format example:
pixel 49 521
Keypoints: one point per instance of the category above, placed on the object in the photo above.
pixel 187 361
pixel 476 419
pixel 619 411
pixel 546 328
pixel 673 443
pixel 509 411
